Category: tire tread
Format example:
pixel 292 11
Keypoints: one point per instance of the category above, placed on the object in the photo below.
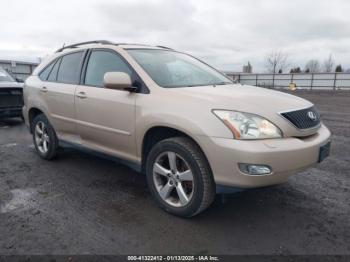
pixel 53 137
pixel 197 154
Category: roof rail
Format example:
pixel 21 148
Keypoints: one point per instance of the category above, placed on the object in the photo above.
pixel 144 45
pixel 104 42
pixel 131 44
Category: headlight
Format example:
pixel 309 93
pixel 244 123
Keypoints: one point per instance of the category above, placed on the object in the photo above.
pixel 248 126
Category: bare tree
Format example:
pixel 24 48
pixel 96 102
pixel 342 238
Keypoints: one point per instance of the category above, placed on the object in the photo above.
pixel 313 66
pixel 276 61
pixel 328 64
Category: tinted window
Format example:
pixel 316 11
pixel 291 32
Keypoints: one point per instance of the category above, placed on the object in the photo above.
pixel 69 69
pixel 45 73
pixel 101 62
pixel 53 74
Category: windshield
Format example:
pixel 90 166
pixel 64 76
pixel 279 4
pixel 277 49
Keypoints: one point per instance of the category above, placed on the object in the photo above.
pixel 172 69
pixel 5 77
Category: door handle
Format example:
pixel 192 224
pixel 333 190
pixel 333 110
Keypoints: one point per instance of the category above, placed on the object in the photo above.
pixel 44 89
pixel 81 95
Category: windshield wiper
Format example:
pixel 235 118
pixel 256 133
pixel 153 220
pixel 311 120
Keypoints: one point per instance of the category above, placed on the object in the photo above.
pixel 215 84
pixel 222 83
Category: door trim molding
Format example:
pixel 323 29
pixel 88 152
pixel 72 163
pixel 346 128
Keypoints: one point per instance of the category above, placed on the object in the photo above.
pixel 83 123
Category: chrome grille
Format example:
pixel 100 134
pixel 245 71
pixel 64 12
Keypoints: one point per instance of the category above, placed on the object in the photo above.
pixel 304 118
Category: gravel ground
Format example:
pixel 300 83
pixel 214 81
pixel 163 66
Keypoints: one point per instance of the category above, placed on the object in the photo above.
pixel 83 204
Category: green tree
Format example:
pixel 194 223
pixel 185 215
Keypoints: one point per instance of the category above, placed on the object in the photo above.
pixel 339 69
pixel 295 70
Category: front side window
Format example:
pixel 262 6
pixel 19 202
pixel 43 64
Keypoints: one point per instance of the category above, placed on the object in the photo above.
pixel 101 62
pixel 69 69
pixel 172 69
pixel 5 77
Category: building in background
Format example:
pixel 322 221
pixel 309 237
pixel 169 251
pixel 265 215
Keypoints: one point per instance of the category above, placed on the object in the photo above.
pixel 248 68
pixel 19 69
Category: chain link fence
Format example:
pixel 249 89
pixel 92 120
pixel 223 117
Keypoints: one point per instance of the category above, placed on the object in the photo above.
pixel 310 81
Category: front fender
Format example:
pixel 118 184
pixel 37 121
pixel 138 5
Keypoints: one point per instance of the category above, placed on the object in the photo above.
pixel 181 124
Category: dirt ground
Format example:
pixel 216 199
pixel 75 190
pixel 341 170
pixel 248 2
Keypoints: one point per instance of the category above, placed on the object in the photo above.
pixel 83 204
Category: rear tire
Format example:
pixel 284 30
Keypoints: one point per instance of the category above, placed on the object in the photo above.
pixel 44 137
pixel 179 177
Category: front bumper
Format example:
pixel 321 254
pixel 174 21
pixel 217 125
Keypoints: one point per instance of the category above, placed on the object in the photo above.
pixel 25 115
pixel 284 156
pixel 8 112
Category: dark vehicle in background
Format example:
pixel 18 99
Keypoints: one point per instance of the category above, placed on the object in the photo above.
pixel 11 96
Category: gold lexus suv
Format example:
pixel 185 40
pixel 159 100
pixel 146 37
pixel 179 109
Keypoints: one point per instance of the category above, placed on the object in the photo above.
pixel 188 127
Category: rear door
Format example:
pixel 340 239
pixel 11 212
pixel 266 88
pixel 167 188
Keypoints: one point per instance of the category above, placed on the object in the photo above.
pixel 106 117
pixel 59 90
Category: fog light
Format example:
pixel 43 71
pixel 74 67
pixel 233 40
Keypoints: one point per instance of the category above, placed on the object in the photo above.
pixel 255 170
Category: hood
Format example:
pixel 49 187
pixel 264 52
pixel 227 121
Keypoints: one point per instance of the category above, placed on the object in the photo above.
pixel 250 99
pixel 4 84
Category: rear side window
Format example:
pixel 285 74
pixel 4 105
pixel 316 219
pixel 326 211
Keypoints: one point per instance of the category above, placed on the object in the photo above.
pixel 69 69
pixel 53 75
pixel 45 73
pixel 101 62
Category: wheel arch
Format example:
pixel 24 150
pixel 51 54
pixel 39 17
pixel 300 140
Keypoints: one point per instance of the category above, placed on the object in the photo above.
pixel 158 133
pixel 32 113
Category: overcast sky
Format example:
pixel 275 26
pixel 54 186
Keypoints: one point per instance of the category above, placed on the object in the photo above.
pixel 224 33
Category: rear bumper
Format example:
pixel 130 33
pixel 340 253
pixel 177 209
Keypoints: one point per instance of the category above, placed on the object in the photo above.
pixel 7 112
pixel 284 156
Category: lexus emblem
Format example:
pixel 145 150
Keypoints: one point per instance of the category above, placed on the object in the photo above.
pixel 312 115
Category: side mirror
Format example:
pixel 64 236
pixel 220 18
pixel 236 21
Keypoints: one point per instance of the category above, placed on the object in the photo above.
pixel 118 80
pixel 19 80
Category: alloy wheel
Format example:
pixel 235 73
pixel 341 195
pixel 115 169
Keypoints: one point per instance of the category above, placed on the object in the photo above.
pixel 42 138
pixel 173 179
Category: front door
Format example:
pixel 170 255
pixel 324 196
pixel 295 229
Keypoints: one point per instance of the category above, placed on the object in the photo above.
pixel 106 117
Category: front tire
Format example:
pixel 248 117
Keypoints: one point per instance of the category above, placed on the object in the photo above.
pixel 44 137
pixel 179 177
